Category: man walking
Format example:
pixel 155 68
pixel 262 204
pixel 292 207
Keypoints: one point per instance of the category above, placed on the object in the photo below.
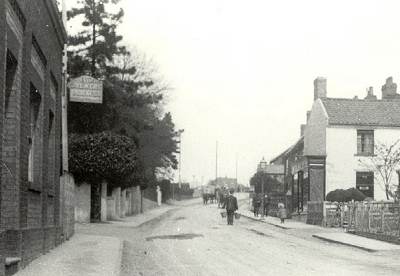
pixel 231 206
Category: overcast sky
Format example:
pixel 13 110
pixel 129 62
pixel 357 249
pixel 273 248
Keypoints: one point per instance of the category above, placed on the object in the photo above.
pixel 243 71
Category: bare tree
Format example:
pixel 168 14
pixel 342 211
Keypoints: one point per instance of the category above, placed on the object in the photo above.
pixel 384 163
pixel 137 70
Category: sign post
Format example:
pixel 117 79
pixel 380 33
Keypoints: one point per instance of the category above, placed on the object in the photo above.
pixel 86 89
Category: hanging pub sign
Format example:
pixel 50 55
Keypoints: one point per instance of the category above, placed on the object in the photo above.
pixel 86 89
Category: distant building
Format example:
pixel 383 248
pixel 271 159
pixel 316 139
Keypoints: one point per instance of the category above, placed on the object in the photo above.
pixel 31 42
pixel 227 182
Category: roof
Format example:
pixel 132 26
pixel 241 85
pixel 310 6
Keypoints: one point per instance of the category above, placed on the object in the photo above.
pixel 362 112
pixel 287 151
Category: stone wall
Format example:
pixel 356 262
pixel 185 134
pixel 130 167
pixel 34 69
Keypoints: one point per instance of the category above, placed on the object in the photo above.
pixel 67 210
pixel 127 202
pixel 82 203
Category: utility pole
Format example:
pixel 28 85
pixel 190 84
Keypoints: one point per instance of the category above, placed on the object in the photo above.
pixel 216 164
pixel 236 171
pixel 262 169
pixel 180 156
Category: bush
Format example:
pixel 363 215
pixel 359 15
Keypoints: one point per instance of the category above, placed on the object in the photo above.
pixel 102 156
pixel 341 195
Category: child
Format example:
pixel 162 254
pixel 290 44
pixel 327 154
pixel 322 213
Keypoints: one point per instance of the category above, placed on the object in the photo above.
pixel 282 211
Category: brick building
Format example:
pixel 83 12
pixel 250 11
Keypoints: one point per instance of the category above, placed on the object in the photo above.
pixel 31 43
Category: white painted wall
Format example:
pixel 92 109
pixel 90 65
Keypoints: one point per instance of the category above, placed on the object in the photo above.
pixel 342 162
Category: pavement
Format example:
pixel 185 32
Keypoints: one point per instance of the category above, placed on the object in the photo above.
pixel 137 220
pixel 370 245
pixel 81 255
pixel 288 224
pixel 87 254
pixel 332 235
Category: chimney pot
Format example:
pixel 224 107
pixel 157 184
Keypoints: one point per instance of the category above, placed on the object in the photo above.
pixel 320 88
pixel 370 94
pixel 389 89
pixel 302 130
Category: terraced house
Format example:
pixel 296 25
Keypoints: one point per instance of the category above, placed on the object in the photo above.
pixel 31 42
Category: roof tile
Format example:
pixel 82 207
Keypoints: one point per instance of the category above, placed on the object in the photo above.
pixel 363 112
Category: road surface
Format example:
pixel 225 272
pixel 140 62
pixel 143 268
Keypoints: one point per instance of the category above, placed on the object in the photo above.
pixel 195 240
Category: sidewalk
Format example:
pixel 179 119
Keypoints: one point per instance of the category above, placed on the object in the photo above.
pixel 87 254
pixel 366 244
pixel 289 224
pixel 332 235
pixel 81 255
pixel 137 220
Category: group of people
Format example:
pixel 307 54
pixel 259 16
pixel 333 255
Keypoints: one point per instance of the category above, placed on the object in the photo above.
pixel 225 199
pixel 209 197
pixel 257 207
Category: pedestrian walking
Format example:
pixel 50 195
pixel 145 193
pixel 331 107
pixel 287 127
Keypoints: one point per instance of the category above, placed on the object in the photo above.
pixel 230 204
pixel 282 213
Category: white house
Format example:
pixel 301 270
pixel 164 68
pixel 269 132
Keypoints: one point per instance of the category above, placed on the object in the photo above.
pixel 340 135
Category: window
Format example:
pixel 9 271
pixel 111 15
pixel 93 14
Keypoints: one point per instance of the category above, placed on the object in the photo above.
pixel 51 154
pixel 365 183
pixel 11 69
pixel 34 132
pixel 365 142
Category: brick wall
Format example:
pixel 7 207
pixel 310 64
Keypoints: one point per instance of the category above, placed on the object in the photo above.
pixel 30 210
pixel 2 253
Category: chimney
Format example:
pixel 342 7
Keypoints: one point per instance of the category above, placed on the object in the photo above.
pixel 302 130
pixel 320 88
pixel 370 94
pixel 389 89
pixel 308 115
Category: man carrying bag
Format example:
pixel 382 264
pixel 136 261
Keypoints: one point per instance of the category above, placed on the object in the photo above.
pixel 231 206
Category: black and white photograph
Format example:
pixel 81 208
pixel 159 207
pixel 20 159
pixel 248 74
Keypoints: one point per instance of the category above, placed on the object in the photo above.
pixel 199 138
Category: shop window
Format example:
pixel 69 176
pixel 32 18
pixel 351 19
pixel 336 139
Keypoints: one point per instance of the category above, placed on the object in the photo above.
pixel 34 108
pixel 365 183
pixel 365 142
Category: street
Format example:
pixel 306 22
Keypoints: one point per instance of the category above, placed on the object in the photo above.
pixel 193 239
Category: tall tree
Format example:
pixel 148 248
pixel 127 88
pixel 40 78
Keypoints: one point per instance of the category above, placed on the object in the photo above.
pixel 98 41
pixel 134 93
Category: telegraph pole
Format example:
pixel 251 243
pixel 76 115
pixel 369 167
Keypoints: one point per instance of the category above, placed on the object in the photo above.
pixel 236 171
pixel 216 163
pixel 180 156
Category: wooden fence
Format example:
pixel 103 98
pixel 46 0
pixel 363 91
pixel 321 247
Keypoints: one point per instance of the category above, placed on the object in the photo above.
pixel 379 220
